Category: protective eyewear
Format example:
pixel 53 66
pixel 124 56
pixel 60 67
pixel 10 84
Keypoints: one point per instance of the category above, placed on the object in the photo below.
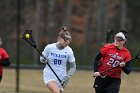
pixel 119 39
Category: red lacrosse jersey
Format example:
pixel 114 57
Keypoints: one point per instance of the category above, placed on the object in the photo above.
pixel 112 57
pixel 3 56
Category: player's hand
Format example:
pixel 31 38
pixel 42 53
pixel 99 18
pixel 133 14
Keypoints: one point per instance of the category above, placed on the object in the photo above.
pixel 122 64
pixel 65 81
pixel 43 60
pixel 96 74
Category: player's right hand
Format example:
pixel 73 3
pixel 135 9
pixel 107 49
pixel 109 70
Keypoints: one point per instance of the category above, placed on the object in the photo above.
pixel 43 60
pixel 96 74
pixel 122 64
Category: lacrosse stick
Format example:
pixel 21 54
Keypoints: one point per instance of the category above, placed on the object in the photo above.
pixel 137 57
pixel 27 36
pixel 108 34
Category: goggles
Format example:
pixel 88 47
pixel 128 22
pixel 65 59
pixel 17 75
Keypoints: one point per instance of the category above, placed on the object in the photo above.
pixel 119 39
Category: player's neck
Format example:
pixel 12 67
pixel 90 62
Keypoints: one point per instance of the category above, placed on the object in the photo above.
pixel 59 46
pixel 119 47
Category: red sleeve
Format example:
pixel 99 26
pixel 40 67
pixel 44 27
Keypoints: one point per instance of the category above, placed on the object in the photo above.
pixel 103 50
pixel 5 54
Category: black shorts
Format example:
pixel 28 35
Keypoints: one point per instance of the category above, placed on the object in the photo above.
pixel 0 78
pixel 107 84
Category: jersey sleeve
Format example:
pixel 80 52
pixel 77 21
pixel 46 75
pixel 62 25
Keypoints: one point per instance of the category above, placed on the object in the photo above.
pixel 5 54
pixel 71 57
pixel 46 51
pixel 103 50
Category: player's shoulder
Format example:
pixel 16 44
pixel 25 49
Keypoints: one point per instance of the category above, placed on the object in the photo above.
pixel 110 45
pixel 68 48
pixel 2 49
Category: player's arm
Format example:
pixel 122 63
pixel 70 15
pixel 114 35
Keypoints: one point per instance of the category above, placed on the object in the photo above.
pixel 72 69
pixel 127 67
pixel 96 62
pixel 69 74
pixel 6 62
pixel 72 64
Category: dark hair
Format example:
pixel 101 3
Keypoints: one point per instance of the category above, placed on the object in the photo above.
pixel 64 32
pixel 125 32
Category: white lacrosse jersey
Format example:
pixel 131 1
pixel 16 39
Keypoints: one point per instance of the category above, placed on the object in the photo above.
pixel 57 59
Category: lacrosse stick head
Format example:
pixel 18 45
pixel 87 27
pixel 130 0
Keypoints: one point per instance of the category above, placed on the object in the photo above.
pixel 138 56
pixel 110 32
pixel 27 36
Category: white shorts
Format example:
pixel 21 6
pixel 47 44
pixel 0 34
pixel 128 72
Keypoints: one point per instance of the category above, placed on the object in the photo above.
pixel 47 77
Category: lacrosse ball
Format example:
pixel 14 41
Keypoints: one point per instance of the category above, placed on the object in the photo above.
pixel 27 36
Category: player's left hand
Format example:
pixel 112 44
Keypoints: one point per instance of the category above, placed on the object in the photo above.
pixel 65 81
pixel 122 64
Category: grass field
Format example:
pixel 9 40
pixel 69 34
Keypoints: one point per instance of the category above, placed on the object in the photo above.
pixel 82 81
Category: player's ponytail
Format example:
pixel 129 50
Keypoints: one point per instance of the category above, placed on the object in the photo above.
pixel 64 28
pixel 64 33
pixel 124 31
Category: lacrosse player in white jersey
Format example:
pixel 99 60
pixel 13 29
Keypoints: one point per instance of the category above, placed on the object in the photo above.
pixel 57 55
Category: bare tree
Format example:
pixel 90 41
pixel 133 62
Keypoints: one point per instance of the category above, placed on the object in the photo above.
pixel 27 17
pixel 102 19
pixel 51 20
pixel 88 29
pixel 123 11
pixel 67 7
pixel 37 22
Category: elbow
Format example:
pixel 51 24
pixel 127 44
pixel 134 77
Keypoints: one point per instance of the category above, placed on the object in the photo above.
pixel 128 72
pixel 8 64
pixel 74 68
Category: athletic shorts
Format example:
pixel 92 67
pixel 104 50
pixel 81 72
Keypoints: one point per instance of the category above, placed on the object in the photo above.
pixel 47 77
pixel 0 78
pixel 107 83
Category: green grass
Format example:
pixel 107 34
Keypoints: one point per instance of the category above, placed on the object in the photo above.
pixel 82 81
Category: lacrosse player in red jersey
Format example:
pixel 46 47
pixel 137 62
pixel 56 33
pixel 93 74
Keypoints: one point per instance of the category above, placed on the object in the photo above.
pixel 115 56
pixel 57 55
pixel 4 59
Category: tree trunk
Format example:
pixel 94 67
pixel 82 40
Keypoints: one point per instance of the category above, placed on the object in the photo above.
pixel 51 20
pixel 88 29
pixel 102 20
pixel 123 9
pixel 67 6
pixel 36 33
